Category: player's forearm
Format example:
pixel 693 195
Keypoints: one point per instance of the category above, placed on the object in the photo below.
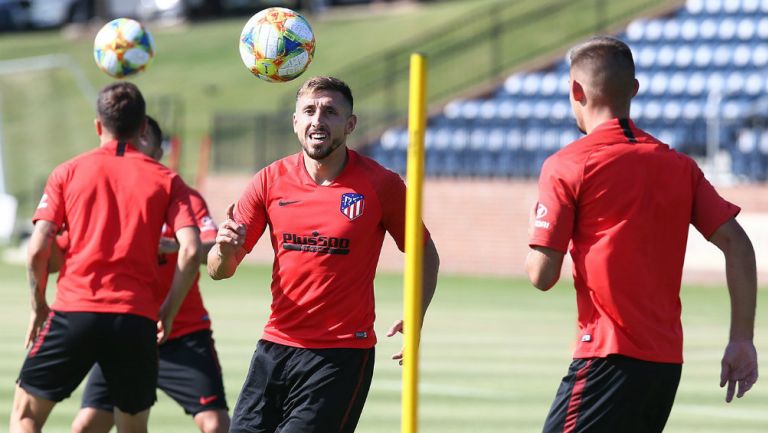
pixel 221 264
pixel 430 268
pixel 741 276
pixel 37 275
pixel 205 249
pixel 187 266
pixel 38 253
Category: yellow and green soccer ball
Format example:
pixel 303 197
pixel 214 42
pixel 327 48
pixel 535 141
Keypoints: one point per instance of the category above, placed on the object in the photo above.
pixel 277 44
pixel 123 47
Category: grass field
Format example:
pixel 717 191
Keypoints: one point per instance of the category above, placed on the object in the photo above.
pixel 493 352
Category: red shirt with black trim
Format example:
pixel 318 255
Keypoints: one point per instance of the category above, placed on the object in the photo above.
pixel 623 201
pixel 192 315
pixel 114 201
pixel 327 241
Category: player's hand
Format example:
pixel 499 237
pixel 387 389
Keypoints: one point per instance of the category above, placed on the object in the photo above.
pixel 231 235
pixel 396 328
pixel 739 366
pixel 36 322
pixel 163 330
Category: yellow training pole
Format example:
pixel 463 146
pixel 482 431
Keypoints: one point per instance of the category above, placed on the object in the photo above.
pixel 414 242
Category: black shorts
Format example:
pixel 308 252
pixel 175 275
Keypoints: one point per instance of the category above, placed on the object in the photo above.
pixel 189 373
pixel 614 394
pixel 124 345
pixel 295 390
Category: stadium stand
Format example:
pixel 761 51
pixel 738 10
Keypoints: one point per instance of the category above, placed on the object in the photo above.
pixel 702 73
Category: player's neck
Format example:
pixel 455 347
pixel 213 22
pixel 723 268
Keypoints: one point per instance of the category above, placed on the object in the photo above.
pixel 324 171
pixel 107 137
pixel 599 115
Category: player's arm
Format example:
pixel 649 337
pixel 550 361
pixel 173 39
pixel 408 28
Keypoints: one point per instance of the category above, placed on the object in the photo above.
pixel 56 259
pixel 739 364
pixel 543 266
pixel 38 252
pixel 187 265
pixel 227 251
pixel 430 267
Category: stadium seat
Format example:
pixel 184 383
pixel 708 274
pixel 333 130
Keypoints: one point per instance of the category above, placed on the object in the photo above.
pixel 710 58
pixel 635 31
pixel 671 31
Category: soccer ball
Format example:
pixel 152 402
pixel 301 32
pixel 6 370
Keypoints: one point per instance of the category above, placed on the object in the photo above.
pixel 277 44
pixel 123 47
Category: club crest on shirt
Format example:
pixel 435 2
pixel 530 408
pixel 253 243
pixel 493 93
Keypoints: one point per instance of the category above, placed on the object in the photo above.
pixel 352 205
pixel 206 224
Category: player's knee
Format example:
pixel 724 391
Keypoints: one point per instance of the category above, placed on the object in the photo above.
pixel 213 421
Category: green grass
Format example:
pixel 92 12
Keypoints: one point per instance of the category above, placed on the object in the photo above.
pixel 493 352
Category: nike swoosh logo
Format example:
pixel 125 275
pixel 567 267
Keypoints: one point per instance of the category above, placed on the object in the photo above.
pixel 206 400
pixel 286 203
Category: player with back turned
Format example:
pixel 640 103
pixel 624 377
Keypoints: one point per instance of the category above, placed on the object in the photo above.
pixel 328 209
pixel 623 201
pixel 189 370
pixel 113 201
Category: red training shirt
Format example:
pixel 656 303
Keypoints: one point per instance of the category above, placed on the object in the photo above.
pixel 113 201
pixel 327 241
pixel 192 315
pixel 624 201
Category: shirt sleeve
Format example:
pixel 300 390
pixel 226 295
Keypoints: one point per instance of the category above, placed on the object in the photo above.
pixel 392 198
pixel 553 215
pixel 203 217
pixel 251 210
pixel 179 213
pixel 710 210
pixel 62 240
pixel 51 206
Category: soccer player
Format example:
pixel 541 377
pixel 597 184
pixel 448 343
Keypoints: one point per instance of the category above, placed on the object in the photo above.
pixel 327 208
pixel 624 202
pixel 189 367
pixel 114 201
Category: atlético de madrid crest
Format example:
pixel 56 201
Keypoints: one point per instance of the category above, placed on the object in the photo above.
pixel 352 205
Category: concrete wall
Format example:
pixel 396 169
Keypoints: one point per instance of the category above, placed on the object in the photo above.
pixel 480 226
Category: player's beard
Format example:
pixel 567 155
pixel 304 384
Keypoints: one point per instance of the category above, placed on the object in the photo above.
pixel 318 154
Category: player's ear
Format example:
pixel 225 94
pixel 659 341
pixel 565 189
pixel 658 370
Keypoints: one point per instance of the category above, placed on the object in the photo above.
pixel 577 92
pixel 635 88
pixel 294 123
pixel 99 126
pixel 351 123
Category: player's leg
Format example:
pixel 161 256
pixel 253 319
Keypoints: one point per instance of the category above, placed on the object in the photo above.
pixel 92 420
pixel 259 406
pixel 614 394
pixel 328 388
pixel 96 413
pixel 129 363
pixel 57 362
pixel 29 412
pixel 190 374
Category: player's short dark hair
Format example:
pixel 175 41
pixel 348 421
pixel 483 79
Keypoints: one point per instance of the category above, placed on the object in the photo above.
pixel 121 109
pixel 608 63
pixel 327 83
pixel 153 129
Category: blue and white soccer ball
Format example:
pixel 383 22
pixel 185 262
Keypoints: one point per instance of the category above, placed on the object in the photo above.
pixel 123 47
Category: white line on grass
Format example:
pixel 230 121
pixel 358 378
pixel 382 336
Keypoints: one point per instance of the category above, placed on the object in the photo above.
pixel 448 391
